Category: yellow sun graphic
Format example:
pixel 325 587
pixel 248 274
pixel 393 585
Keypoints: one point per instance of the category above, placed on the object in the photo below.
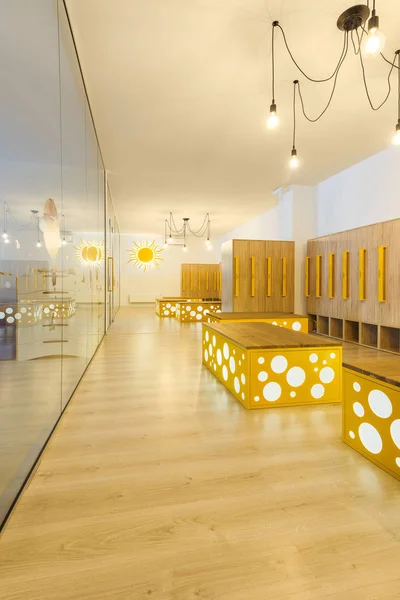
pixel 145 255
pixel 90 254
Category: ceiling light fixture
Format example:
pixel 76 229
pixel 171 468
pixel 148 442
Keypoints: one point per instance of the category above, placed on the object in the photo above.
pixel 352 23
pixel 177 236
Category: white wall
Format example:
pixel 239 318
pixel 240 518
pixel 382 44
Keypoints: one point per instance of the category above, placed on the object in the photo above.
pixel 140 286
pixel 291 217
pixel 366 193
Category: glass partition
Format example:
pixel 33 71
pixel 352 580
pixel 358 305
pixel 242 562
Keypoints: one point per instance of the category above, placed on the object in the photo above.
pixel 52 227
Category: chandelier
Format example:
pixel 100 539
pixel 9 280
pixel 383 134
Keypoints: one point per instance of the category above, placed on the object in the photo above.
pixel 177 236
pixel 368 41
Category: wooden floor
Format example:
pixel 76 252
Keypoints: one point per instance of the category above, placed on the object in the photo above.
pixel 158 484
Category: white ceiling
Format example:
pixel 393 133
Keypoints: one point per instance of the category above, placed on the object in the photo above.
pixel 180 90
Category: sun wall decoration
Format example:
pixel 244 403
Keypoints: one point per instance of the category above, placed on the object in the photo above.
pixel 145 256
pixel 90 254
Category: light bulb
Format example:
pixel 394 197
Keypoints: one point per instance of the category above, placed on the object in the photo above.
pixel 38 245
pixel 396 137
pixel 64 242
pixel 4 235
pixel 165 245
pixel 170 240
pixel 6 240
pixel 17 244
pixel 209 246
pixel 273 119
pixel 294 161
pixel 374 42
pixel 184 249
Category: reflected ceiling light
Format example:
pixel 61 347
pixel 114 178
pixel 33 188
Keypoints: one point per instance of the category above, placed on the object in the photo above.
pixel 4 235
pixel 180 234
pixel 35 214
pixel 363 41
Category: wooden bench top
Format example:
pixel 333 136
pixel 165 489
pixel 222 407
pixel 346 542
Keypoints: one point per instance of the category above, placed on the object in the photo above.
pixel 194 301
pixel 375 363
pixel 264 335
pixel 255 315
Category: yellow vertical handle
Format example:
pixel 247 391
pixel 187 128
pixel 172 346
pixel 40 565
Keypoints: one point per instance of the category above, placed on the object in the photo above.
pixel 345 275
pixel 253 276
pixel 215 281
pixel 207 276
pixel 220 281
pixel 236 276
pixel 307 277
pixel 183 281
pixel 331 275
pixel 318 267
pixel 382 273
pixel 191 281
pixel 269 276
pixel 284 276
pixel 362 291
pixel 199 281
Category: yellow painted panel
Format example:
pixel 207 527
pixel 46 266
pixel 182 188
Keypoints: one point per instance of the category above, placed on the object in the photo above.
pixel 220 281
pixel 269 276
pixel 362 292
pixel 307 277
pixel 284 276
pixel 253 276
pixel 318 269
pixel 382 273
pixel 346 275
pixel 228 362
pixel 237 289
pixel 371 414
pixel 215 281
pixel 331 274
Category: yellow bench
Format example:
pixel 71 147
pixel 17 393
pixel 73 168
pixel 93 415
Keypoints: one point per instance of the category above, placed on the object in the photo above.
pixel 264 366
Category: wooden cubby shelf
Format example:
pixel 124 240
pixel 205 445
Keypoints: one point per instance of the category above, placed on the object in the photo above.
pixel 369 335
pixel 323 325
pixel 365 334
pixel 351 331
pixel 390 338
pixel 336 328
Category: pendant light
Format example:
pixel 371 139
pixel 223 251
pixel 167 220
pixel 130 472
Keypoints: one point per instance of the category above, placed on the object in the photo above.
pixel 294 161
pixel 396 137
pixel 360 29
pixel 273 119
pixel 375 40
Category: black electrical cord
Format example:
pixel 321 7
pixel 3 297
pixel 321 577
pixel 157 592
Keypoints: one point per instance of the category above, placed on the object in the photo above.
pixel 273 64
pixel 276 24
pixel 366 85
pixel 332 92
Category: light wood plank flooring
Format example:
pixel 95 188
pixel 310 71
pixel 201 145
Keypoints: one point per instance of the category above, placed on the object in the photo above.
pixel 157 484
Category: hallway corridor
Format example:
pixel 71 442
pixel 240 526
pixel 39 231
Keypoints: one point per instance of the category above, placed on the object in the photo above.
pixel 158 484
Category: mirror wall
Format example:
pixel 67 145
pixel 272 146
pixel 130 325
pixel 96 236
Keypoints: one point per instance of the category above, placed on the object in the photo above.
pixel 54 246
